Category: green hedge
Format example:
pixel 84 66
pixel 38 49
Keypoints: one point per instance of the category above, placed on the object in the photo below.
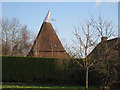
pixel 41 70
pixel 48 71
pixel 26 69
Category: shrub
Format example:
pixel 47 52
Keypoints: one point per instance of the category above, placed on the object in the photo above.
pixel 40 70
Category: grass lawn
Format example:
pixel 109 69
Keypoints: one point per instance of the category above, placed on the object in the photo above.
pixel 14 87
pixel 34 86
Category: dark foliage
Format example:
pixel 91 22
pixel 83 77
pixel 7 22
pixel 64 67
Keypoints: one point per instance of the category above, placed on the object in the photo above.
pixel 46 71
pixel 40 70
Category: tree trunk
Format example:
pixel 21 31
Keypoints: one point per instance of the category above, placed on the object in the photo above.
pixel 86 78
pixel 86 67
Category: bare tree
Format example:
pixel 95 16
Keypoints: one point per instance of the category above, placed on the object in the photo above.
pixel 24 42
pixel 6 30
pixel 87 38
pixel 69 51
pixel 104 27
pixel 15 27
pixel 0 38
pixel 15 37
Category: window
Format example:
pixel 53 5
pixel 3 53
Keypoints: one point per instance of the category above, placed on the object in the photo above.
pixel 55 46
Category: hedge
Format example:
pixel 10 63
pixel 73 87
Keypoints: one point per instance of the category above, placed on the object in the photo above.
pixel 41 70
pixel 48 71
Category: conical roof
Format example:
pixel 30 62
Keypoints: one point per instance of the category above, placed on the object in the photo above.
pixel 47 43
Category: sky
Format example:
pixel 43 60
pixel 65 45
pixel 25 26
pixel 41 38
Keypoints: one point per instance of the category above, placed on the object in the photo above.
pixel 67 14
